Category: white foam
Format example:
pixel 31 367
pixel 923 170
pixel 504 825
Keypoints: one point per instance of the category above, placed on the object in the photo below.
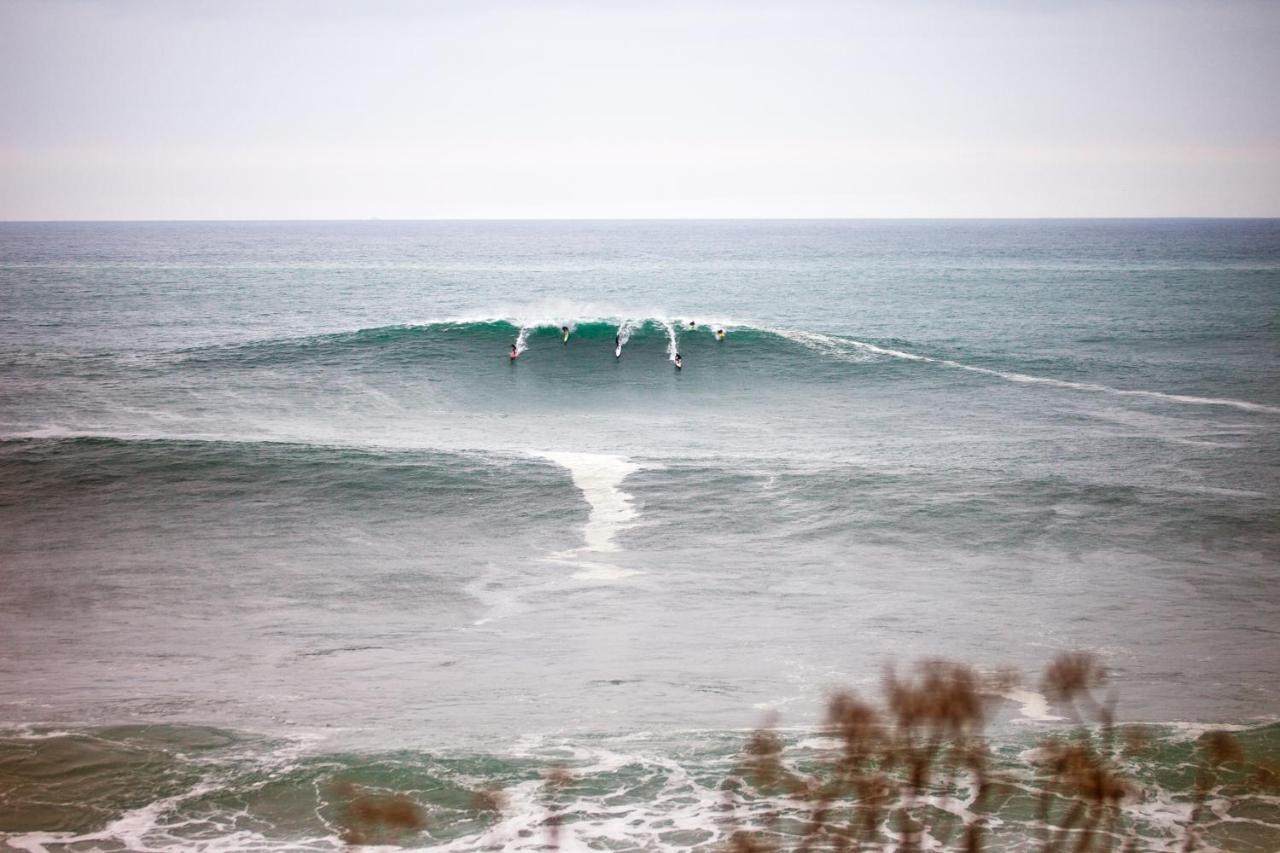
pixel 522 339
pixel 625 328
pixel 599 476
pixel 672 347
pixel 831 346
pixel 1245 405
pixel 27 731
pixel 589 570
pixel 839 348
pixel 592 571
pixel 130 829
pixel 554 313
pixel 1185 731
pixel 774 704
pixel 1032 705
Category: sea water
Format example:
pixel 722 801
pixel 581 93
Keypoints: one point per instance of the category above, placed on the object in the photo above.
pixel 276 507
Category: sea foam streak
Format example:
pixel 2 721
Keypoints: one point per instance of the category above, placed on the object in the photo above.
pixel 598 476
pixel 848 348
pixel 672 346
pixel 624 335
pixel 1032 705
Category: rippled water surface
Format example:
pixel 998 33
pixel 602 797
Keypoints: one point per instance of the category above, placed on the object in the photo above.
pixel 276 504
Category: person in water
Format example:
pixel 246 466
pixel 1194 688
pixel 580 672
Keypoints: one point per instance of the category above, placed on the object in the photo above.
pixel 692 325
pixel 617 346
pixel 514 352
pixel 719 334
pixel 679 362
pixel 565 330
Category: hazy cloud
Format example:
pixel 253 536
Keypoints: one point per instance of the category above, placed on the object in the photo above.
pixel 315 110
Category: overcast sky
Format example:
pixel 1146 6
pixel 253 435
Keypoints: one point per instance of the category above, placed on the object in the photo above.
pixel 313 110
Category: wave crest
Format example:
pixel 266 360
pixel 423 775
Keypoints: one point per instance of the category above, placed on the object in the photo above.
pixel 770 348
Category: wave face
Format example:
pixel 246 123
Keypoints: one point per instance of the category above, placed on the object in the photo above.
pixel 763 351
pixel 486 340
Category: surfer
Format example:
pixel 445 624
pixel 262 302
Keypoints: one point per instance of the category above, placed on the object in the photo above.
pixel 617 346
pixel 719 334
pixel 514 352
pixel 565 330
pixel 679 362
pixel 692 325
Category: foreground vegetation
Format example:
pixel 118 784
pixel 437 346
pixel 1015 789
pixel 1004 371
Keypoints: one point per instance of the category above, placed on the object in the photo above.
pixel 913 771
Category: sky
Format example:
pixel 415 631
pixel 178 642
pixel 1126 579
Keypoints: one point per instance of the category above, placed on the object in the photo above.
pixel 125 109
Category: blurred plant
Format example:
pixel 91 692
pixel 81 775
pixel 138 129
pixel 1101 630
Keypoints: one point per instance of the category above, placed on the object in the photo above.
pixel 1083 785
pixel 554 781
pixel 905 774
pixel 488 800
pixel 893 763
pixel 1216 749
pixel 920 744
pixel 376 818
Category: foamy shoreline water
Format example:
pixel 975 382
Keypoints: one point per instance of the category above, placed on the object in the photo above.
pixel 631 789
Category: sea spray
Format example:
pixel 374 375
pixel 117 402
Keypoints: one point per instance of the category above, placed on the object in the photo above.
pixel 522 339
pixel 672 347
pixel 624 335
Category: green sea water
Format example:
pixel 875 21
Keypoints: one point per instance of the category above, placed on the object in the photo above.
pixel 278 510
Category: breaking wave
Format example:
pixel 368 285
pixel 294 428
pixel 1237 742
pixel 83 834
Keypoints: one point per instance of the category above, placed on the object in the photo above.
pixel 788 351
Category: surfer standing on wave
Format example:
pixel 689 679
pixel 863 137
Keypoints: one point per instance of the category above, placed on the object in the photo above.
pixel 565 330
pixel 678 361
pixel 617 346
pixel 514 353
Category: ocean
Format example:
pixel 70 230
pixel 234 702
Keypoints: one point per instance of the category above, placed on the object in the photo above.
pixel 278 513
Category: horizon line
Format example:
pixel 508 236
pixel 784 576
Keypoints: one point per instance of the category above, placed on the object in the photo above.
pixel 229 220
